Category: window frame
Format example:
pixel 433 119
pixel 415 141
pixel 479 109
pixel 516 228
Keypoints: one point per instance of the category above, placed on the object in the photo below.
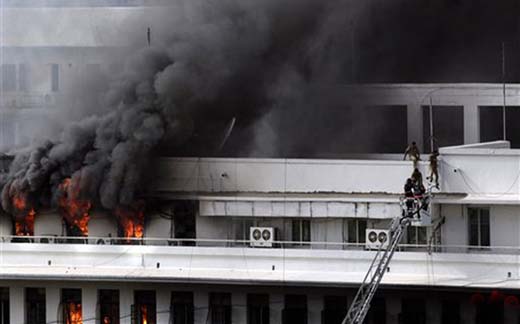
pixel 480 244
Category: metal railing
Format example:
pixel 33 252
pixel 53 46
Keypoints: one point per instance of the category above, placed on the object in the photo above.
pixel 201 242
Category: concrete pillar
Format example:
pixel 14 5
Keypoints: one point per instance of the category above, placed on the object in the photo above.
pixel 163 297
pixel 201 305
pixel 16 305
pixel 471 124
pixel 239 307
pixel 314 308
pixel 52 304
pixel 415 124
pixel 433 310
pixel 126 299
pixel 276 303
pixel 89 304
pixel 393 309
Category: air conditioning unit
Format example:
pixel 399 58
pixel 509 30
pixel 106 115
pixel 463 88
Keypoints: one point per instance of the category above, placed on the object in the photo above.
pixel 261 236
pixel 376 238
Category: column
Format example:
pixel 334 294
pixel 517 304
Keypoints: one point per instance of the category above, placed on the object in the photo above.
pixel 52 304
pixel 126 299
pixel 16 305
pixel 393 309
pixel 276 303
pixel 201 305
pixel 163 297
pixel 471 124
pixel 314 308
pixel 88 304
pixel 415 124
pixel 239 308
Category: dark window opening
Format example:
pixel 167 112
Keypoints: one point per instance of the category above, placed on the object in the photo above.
pixel 356 230
pixel 491 124
pixel 448 126
pixel 334 309
pixel 478 219
pixel 8 77
pixel 35 305
pixel 450 312
pixel 413 311
pixel 257 309
pixel 301 230
pixel 182 307
pixel 490 312
pixel 184 221
pixel 144 309
pixel 4 305
pixel 220 308
pixel 416 235
pixel 71 305
pixel 377 312
pixel 55 77
pixel 108 306
pixel 295 311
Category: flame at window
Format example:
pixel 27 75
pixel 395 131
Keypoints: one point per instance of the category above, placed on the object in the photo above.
pixel 131 220
pixel 75 210
pixel 144 314
pixel 23 215
pixel 73 314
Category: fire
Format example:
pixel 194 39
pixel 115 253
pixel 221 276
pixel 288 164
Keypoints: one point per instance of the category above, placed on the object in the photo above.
pixel 131 220
pixel 74 314
pixel 106 320
pixel 23 215
pixel 144 314
pixel 75 210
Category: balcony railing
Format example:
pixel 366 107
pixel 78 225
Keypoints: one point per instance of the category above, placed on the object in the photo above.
pixel 302 245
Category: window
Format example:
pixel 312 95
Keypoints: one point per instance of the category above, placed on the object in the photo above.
pixel 413 311
pixel 301 230
pixel 108 306
pixel 23 77
pixel 377 312
pixel 295 311
pixel 478 219
pixel 241 226
pixel 448 126
pixel 4 305
pixel 8 77
pixel 334 309
pixel 257 309
pixel 71 305
pixel 220 308
pixel 35 305
pixel 356 229
pixel 416 235
pixel 182 306
pixel 450 312
pixel 144 308
pixel 55 77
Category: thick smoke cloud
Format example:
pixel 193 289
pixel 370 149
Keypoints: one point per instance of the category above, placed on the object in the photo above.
pixel 208 58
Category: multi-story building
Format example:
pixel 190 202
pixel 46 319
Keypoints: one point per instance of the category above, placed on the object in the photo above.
pixel 196 261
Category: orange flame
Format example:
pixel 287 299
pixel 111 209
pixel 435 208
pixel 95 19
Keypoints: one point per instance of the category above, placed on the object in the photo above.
pixel 74 315
pixel 24 219
pixel 144 314
pixel 75 210
pixel 131 220
pixel 106 320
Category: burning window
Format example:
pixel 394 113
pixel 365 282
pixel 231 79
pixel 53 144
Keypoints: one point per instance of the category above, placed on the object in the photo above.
pixel 109 306
pixel 130 220
pixel 23 214
pixel 35 305
pixel 71 305
pixel 182 307
pixel 74 208
pixel 144 308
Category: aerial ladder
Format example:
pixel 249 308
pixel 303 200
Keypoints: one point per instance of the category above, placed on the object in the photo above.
pixel 415 210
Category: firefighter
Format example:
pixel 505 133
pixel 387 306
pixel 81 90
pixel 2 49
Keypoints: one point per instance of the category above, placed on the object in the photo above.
pixel 417 178
pixel 409 196
pixel 434 169
pixel 412 151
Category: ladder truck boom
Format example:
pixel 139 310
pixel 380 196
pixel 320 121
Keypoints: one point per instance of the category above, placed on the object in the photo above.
pixel 361 303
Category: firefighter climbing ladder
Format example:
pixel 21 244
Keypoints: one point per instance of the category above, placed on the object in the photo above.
pixel 361 303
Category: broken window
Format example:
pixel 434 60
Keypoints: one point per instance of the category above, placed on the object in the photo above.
pixel 478 219
pixel 108 300
pixel 71 306
pixel 295 311
pixel 257 309
pixel 334 309
pixel 182 307
pixel 220 308
pixel 448 126
pixel 144 308
pixel 35 305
